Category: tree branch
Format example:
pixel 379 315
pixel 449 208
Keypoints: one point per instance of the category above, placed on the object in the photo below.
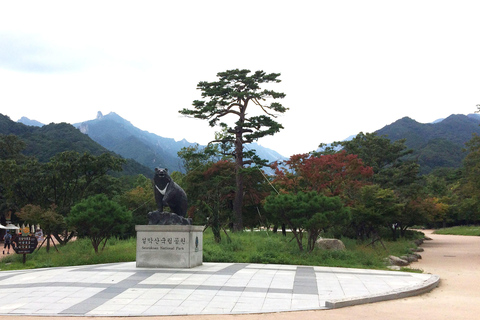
pixel 255 100
pixel 248 162
pixel 222 141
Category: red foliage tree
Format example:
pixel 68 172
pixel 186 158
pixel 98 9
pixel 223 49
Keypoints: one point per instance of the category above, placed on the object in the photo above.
pixel 338 174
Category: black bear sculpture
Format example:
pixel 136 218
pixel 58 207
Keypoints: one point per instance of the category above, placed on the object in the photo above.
pixel 168 193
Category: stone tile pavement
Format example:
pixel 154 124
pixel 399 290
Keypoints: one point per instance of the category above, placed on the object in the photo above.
pixel 121 289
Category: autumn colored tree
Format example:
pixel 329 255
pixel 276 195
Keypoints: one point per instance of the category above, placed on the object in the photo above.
pixel 388 159
pixel 392 169
pixel 443 187
pixel 227 99
pixel 439 213
pixel 338 174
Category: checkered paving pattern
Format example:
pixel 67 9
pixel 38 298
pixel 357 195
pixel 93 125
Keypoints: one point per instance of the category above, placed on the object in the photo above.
pixel 213 288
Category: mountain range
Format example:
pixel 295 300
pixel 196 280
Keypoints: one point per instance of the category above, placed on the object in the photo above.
pixel 439 144
pixel 45 141
pixel 435 145
pixel 119 135
pixel 114 133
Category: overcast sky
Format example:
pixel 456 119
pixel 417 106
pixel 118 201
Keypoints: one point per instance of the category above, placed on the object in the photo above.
pixel 346 66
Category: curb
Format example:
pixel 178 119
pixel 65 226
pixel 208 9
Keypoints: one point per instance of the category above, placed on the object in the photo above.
pixel 428 285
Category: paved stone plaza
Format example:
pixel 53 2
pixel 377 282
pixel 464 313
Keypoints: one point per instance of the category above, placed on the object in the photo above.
pixel 121 289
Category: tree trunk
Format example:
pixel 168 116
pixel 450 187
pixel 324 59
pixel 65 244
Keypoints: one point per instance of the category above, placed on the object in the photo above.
pixel 216 228
pixel 95 244
pixel 66 237
pixel 298 236
pixel 238 201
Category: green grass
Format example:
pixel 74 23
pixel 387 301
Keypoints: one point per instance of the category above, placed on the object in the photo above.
pixel 460 231
pixel 79 252
pixel 246 247
pixel 260 247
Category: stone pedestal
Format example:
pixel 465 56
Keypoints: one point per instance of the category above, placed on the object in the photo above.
pixel 169 246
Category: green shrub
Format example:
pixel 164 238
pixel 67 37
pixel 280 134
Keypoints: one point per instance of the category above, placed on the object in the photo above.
pixel 98 218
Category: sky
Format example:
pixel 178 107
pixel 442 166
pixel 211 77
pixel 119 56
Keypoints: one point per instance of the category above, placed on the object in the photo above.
pixel 346 66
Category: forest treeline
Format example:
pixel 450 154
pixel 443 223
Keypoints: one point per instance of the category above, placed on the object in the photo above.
pixel 366 188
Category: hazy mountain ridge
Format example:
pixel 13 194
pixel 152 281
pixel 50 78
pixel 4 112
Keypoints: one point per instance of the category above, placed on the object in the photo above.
pixel 119 135
pixel 30 122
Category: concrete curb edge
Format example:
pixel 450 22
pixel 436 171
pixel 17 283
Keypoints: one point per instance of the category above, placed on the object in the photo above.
pixel 431 283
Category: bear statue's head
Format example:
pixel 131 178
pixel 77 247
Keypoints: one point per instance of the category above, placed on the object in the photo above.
pixel 162 174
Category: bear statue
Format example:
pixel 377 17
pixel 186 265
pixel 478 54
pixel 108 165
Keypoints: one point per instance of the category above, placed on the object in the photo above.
pixel 168 193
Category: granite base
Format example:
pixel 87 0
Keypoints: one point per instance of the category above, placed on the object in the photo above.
pixel 169 246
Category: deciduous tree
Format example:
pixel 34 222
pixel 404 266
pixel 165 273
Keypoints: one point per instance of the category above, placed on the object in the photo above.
pixel 338 174
pixel 50 221
pixel 98 219
pixel 386 158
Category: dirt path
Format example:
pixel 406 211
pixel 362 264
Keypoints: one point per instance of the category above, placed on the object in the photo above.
pixel 455 259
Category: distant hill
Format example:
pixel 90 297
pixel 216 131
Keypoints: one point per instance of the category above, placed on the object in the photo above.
pixel 29 122
pixel 435 145
pixel 119 135
pixel 46 141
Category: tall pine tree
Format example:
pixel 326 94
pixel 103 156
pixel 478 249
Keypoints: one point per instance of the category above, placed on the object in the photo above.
pixel 231 95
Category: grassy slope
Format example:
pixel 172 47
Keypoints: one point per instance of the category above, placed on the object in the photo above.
pixel 460 231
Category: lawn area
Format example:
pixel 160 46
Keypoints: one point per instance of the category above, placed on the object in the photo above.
pixel 246 247
pixel 460 231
